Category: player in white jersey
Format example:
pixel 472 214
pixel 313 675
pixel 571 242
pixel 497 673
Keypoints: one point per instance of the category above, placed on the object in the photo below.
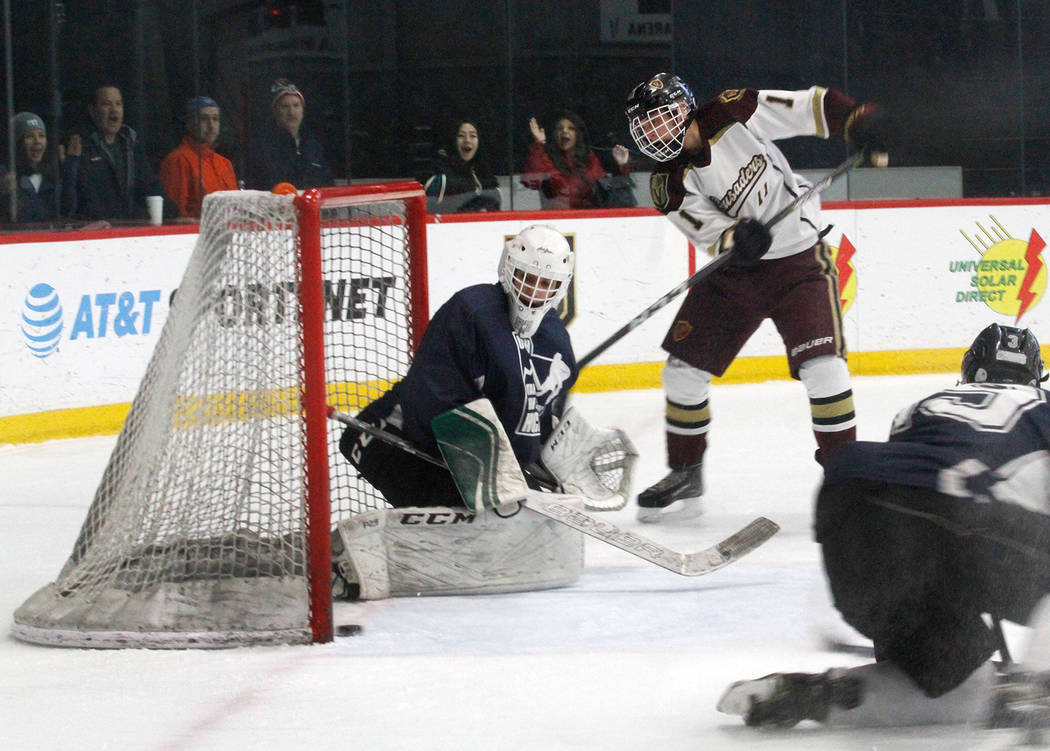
pixel 928 539
pixel 720 179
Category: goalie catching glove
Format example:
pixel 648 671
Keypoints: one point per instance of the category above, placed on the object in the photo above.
pixel 597 464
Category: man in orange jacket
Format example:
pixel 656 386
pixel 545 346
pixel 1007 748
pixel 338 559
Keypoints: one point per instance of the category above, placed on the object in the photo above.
pixel 193 168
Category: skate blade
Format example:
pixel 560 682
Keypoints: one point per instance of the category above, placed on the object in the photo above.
pixel 679 511
pixel 740 696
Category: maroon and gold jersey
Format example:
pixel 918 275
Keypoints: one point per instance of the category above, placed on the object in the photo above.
pixel 740 172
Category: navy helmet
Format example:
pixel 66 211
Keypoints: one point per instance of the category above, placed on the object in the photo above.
pixel 1003 354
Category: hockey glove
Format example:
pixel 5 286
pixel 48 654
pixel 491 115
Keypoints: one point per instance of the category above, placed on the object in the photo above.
pixel 748 240
pixel 596 463
pixel 865 129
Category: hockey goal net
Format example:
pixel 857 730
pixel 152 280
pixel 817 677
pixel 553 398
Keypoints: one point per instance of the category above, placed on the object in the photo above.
pixel 211 524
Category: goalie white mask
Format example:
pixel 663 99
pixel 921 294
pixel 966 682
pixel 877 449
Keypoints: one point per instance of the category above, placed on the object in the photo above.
pixel 535 270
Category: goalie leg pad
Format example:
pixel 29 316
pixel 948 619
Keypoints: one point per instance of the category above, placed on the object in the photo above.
pixel 359 554
pixel 451 551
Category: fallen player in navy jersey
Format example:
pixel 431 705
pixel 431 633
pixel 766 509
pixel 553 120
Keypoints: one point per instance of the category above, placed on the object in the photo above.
pixel 928 540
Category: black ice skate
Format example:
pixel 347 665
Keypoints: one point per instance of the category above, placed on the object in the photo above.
pixel 674 498
pixel 785 699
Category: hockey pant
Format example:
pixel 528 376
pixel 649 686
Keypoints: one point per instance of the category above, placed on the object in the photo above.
pixel 403 479
pixel 914 570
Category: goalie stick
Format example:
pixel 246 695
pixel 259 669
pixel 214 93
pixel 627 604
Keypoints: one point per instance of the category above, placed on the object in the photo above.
pixel 701 562
pixel 698 276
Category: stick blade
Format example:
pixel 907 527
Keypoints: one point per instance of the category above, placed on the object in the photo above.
pixel 748 538
pixel 731 549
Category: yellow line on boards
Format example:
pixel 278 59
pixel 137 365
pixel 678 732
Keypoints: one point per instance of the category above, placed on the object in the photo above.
pixel 646 375
pixel 108 419
pixel 63 423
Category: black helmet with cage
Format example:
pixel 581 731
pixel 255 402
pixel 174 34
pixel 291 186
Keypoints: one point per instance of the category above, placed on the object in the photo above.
pixel 1003 354
pixel 659 111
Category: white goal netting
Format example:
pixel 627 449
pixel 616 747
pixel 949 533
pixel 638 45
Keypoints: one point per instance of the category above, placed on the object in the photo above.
pixel 200 531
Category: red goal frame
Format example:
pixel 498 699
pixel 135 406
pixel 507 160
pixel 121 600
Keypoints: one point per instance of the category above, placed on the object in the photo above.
pixel 310 205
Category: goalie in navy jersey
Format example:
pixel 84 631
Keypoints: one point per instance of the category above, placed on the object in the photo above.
pixel 501 341
pixel 928 540
pixel 720 177
pixel 505 344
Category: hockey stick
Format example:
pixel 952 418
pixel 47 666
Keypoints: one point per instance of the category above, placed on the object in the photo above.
pixel 393 440
pixel 704 272
pixel 854 160
pixel 686 564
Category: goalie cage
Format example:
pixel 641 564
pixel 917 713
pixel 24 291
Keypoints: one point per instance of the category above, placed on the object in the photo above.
pixel 211 524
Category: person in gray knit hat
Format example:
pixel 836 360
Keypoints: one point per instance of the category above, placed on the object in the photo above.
pixel 42 193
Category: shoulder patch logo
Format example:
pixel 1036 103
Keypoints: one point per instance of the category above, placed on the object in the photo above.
pixel 658 188
pixel 731 95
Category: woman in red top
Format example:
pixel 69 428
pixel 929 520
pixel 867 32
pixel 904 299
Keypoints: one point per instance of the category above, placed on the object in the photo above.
pixel 566 170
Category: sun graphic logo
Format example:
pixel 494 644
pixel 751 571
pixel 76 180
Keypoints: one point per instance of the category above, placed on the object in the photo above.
pixel 42 320
pixel 842 257
pixel 1010 278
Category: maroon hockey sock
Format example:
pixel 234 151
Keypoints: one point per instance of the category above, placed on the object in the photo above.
pixel 685 450
pixel 828 442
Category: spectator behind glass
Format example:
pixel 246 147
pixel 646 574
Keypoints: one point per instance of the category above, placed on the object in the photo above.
pixel 566 171
pixel 34 178
pixel 192 169
pixel 462 180
pixel 285 152
pixel 114 176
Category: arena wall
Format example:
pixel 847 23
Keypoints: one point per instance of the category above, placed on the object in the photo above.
pixel 82 310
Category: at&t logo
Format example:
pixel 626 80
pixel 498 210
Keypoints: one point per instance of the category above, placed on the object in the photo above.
pixel 99 315
pixel 42 320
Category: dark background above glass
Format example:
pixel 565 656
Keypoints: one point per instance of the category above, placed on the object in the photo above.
pixel 386 82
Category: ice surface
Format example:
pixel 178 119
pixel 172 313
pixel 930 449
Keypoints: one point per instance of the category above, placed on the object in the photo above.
pixel 631 657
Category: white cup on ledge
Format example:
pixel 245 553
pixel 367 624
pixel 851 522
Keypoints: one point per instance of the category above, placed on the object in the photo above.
pixel 155 204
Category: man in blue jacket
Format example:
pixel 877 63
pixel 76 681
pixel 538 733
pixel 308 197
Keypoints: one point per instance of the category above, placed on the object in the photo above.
pixel 285 152
pixel 114 177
